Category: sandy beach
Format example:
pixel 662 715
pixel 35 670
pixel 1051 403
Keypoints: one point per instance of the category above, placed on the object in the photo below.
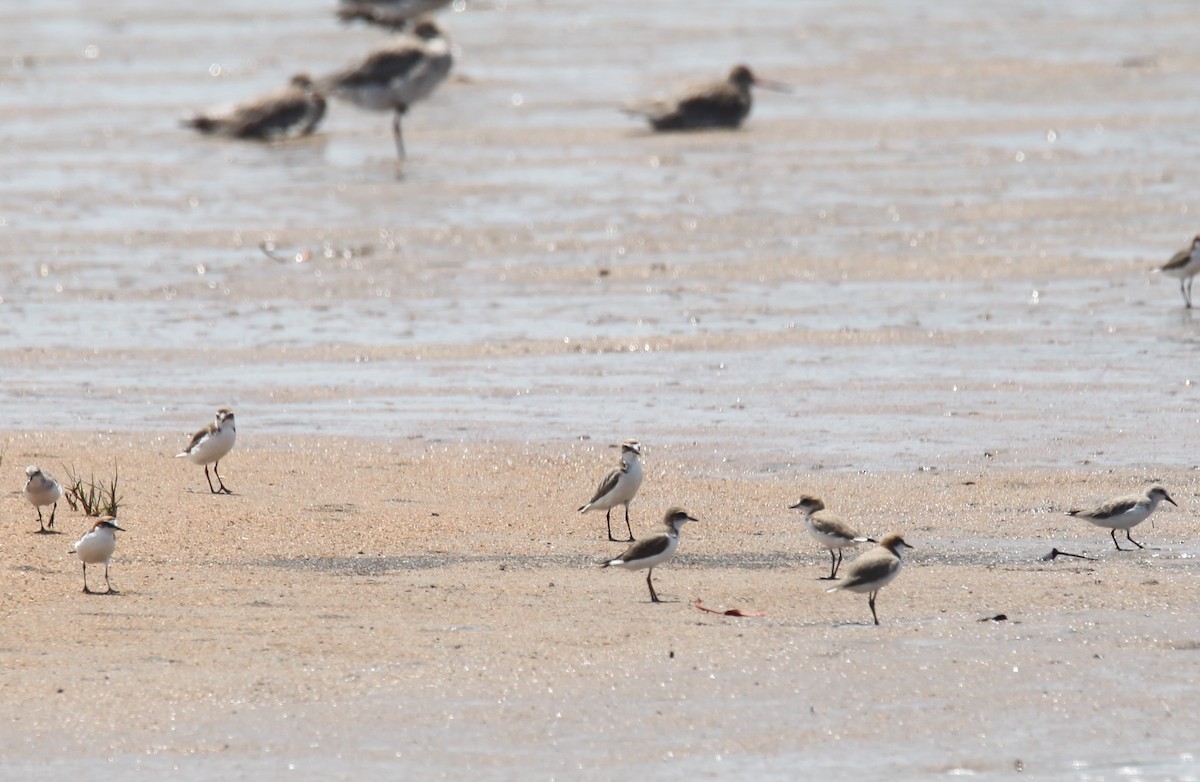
pixel 920 286
pixel 433 610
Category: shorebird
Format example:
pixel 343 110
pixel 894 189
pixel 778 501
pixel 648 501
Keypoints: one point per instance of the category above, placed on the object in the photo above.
pixel 211 444
pixel 1185 265
pixel 392 14
pixel 829 530
pixel 1125 513
pixel 649 552
pixel 395 76
pixel 96 546
pixel 41 489
pixel 716 104
pixel 619 487
pixel 874 570
pixel 291 112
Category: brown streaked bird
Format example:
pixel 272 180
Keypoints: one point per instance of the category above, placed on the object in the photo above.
pixel 829 530
pixel 717 104
pixel 292 112
pixel 874 570
pixel 396 75
pixel 651 551
pixel 392 14
pixel 619 487
pixel 1125 513
pixel 1184 265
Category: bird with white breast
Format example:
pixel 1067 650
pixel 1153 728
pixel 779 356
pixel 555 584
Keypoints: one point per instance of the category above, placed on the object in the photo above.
pixel 395 76
pixel 619 487
pixel 1125 513
pixel 41 489
pixel 874 570
pixel 96 546
pixel 830 530
pixel 212 444
pixel 654 550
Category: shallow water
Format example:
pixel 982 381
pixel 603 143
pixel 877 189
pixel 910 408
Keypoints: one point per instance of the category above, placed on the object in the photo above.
pixel 935 253
pixel 943 235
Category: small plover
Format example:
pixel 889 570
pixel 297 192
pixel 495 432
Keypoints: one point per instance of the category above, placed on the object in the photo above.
pixel 874 570
pixel 649 552
pixel 717 104
pixel 41 489
pixel 211 444
pixel 289 113
pixel 396 75
pixel 96 546
pixel 829 530
pixel 1125 513
pixel 619 487
pixel 1185 265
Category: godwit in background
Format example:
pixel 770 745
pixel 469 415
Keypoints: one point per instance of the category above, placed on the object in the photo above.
pixel 717 104
pixel 396 75
pixel 393 14
pixel 1185 264
pixel 293 111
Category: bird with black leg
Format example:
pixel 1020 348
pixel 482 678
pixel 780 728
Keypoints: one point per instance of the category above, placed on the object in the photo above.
pixel 619 487
pixel 828 529
pixel 651 551
pixel 1125 513
pixel 42 489
pixel 96 546
pixel 210 445
pixel 874 570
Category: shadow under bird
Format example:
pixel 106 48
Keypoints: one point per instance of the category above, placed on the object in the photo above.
pixel 829 530
pixel 619 487
pixel 718 104
pixel 874 570
pixel 396 75
pixel 1184 265
pixel 96 546
pixel 211 444
pixel 42 489
pixel 1125 513
pixel 650 552
pixel 392 14
pixel 291 112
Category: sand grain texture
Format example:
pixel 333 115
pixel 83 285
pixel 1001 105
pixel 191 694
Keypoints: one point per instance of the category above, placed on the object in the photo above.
pixel 429 608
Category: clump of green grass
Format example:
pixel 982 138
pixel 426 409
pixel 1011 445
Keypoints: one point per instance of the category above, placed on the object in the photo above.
pixel 94 498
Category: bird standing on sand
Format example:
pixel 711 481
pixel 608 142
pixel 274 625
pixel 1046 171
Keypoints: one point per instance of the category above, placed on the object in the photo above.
pixel 874 570
pixel 717 104
pixel 1125 513
pixel 96 546
pixel 1185 265
pixel 649 552
pixel 211 444
pixel 41 489
pixel 619 487
pixel 396 75
pixel 291 112
pixel 829 530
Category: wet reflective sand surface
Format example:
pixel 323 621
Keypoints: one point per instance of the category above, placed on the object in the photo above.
pixel 932 259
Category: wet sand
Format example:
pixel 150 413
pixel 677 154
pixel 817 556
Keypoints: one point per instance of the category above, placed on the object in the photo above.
pixel 433 609
pixel 919 286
